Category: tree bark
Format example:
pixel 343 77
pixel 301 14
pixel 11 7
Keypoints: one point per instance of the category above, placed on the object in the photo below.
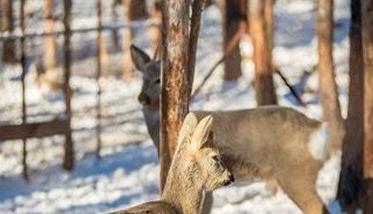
pixel 6 24
pixel 264 86
pixel 50 43
pixel 179 39
pixel 23 77
pixel 99 53
pixel 367 38
pixel 132 10
pixel 114 18
pixel 232 16
pixel 68 162
pixel 327 85
pixel 350 180
pixel 175 86
pixel 155 30
pixel 269 22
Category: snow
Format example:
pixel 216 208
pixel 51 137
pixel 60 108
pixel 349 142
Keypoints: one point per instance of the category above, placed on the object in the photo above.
pixel 127 173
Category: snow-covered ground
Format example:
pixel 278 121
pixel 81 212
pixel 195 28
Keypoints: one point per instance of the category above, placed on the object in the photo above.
pixel 127 173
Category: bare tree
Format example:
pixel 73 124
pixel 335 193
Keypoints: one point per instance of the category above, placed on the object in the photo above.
pixel 155 33
pixel 132 10
pixel 233 12
pixel 269 22
pixel 367 39
pixel 68 162
pixel 350 179
pixel 23 76
pixel 6 24
pixel 180 33
pixel 327 85
pixel 50 44
pixel 264 86
pixel 99 54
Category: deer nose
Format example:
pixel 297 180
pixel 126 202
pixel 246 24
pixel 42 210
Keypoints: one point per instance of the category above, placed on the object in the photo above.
pixel 231 180
pixel 231 177
pixel 143 99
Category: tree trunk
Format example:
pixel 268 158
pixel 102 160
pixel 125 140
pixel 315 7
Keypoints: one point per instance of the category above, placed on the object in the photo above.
pixel 155 30
pixel 264 86
pixel 179 39
pixel 114 18
pixel 23 79
pixel 268 16
pixel 175 86
pixel 367 38
pixel 232 15
pixel 327 85
pixel 132 10
pixel 350 179
pixel 99 53
pixel 6 24
pixel 68 162
pixel 50 44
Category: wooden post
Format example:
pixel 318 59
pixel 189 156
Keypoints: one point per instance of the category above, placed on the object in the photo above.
pixel 24 72
pixel 6 24
pixel 367 38
pixel 327 85
pixel 50 44
pixel 232 15
pixel 264 86
pixel 98 75
pixel 68 162
pixel 132 10
pixel 350 179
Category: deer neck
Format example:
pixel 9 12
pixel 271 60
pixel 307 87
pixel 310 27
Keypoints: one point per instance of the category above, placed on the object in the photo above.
pixel 182 190
pixel 151 116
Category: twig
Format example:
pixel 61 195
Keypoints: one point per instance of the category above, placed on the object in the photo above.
pixel 233 42
pixel 195 24
pixel 291 88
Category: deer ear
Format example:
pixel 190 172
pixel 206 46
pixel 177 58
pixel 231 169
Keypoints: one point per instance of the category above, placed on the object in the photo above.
pixel 189 124
pixel 139 57
pixel 201 132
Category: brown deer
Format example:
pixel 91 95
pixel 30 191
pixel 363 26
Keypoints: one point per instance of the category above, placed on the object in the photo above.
pixel 275 144
pixel 196 168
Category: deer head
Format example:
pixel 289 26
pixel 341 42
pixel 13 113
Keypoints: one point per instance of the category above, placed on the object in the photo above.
pixel 198 156
pixel 150 69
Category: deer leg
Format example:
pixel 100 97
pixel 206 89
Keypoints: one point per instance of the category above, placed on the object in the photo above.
pixel 207 203
pixel 299 183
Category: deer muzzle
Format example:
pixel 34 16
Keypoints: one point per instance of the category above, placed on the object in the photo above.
pixel 144 99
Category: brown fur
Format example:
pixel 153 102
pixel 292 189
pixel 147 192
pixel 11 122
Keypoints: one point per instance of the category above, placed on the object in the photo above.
pixel 196 168
pixel 270 143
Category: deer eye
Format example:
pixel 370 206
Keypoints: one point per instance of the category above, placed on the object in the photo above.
pixel 158 81
pixel 216 158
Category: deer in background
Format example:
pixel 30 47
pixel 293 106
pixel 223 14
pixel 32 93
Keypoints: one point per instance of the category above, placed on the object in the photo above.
pixel 277 145
pixel 196 167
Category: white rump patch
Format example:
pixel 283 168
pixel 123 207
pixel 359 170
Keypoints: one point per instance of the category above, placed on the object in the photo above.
pixel 318 143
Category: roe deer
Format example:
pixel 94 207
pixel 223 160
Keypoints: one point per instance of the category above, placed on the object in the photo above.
pixel 275 144
pixel 196 168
